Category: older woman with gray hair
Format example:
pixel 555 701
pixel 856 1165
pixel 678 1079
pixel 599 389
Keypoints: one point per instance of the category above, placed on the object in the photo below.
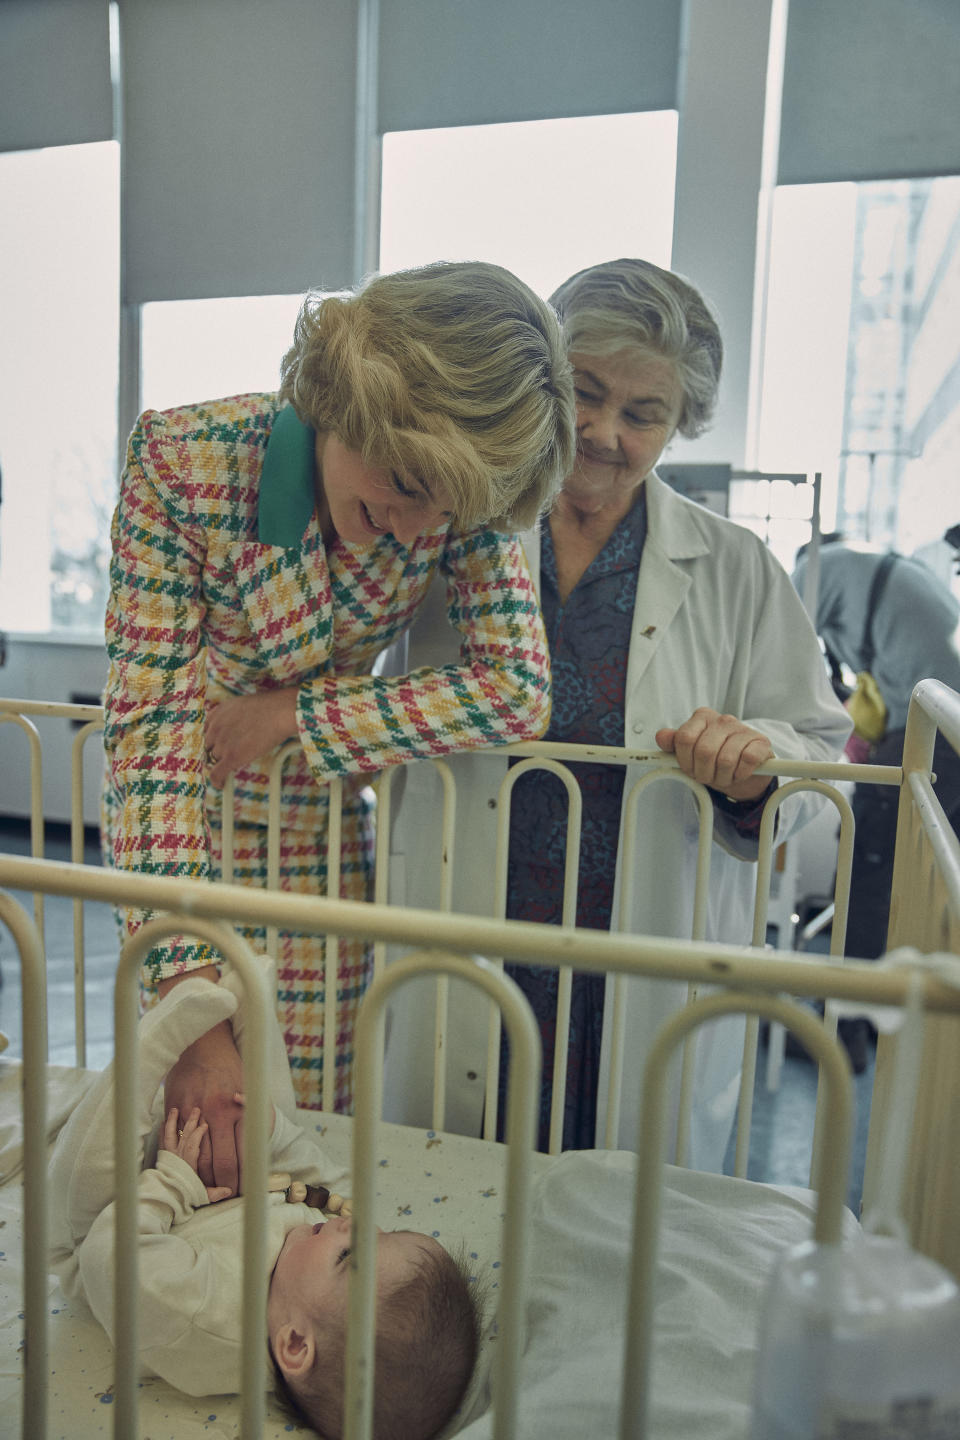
pixel 669 627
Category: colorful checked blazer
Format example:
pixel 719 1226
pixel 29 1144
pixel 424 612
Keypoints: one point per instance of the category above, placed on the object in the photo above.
pixel 201 607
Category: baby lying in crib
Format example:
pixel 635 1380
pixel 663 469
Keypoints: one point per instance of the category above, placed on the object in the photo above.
pixel 190 1271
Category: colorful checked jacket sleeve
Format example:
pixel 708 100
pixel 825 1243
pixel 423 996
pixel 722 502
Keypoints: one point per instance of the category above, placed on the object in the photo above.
pixel 199 608
pixel 498 693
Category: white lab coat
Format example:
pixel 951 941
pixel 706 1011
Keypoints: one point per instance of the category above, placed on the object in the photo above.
pixel 716 623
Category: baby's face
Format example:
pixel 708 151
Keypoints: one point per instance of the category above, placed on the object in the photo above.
pixel 312 1267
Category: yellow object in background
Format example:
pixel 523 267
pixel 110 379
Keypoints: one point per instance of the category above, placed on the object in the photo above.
pixel 867 709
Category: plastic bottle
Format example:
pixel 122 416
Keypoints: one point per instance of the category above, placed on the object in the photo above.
pixel 859 1342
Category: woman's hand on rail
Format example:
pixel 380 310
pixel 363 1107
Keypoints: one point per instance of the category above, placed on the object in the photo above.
pixel 207 1076
pixel 719 751
pixel 186 1143
pixel 246 727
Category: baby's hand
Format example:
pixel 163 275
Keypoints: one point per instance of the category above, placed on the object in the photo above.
pixel 186 1142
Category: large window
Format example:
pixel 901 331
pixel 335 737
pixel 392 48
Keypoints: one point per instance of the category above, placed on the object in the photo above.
pixel 862 353
pixel 543 198
pixel 861 373
pixel 59 456
pixel 59 299
pixel 194 350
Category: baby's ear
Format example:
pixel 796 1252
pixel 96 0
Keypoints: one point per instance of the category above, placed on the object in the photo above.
pixel 293 1351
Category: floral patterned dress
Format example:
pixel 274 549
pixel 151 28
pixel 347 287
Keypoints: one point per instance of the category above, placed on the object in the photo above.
pixel 589 638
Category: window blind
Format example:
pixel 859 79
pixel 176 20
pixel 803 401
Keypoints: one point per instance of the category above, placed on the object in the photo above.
pixel 238 147
pixel 54 73
pixel 475 62
pixel 871 90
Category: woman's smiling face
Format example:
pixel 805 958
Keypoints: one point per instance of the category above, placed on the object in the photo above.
pixel 365 501
pixel 627 412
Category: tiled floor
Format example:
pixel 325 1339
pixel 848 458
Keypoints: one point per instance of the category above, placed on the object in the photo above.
pixel 780 1140
pixel 783 1119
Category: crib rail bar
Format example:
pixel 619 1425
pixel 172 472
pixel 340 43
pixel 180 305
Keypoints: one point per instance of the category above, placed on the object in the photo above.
pixel 447 851
pixel 938 833
pixel 797 769
pixel 834 1167
pixel 36 1228
pixel 92 727
pixel 522 1105
pixel 258 1005
pixel 568 919
pixel 331 945
pixel 838 935
pixel 89 718
pixel 614 754
pixel 925 912
pixel 521 941
pixel 54 709
pixel 701 889
pixel 941 707
pixel 381 882
pixel 14 717
pixel 842 898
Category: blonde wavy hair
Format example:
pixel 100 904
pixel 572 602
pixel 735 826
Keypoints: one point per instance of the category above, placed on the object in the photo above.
pixel 655 314
pixel 454 373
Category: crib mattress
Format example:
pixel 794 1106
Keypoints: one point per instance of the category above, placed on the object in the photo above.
pixel 719 1238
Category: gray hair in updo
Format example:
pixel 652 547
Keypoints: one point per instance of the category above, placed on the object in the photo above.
pixel 656 315
pixel 454 373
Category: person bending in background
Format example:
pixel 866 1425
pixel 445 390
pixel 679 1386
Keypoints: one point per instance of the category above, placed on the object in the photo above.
pixel 914 636
pixel 668 626
pixel 266 548
pixel 190 1242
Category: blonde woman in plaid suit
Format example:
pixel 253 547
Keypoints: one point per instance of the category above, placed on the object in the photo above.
pixel 266 549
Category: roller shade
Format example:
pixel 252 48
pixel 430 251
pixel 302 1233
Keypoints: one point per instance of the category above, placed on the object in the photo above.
pixel 238 146
pixel 871 90
pixel 54 73
pixel 474 62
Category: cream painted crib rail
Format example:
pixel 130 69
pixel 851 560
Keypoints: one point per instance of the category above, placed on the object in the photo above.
pixel 925 913
pixel 440 944
pixel 798 777
pixel 554 758
pixel 86 721
pixel 924 910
